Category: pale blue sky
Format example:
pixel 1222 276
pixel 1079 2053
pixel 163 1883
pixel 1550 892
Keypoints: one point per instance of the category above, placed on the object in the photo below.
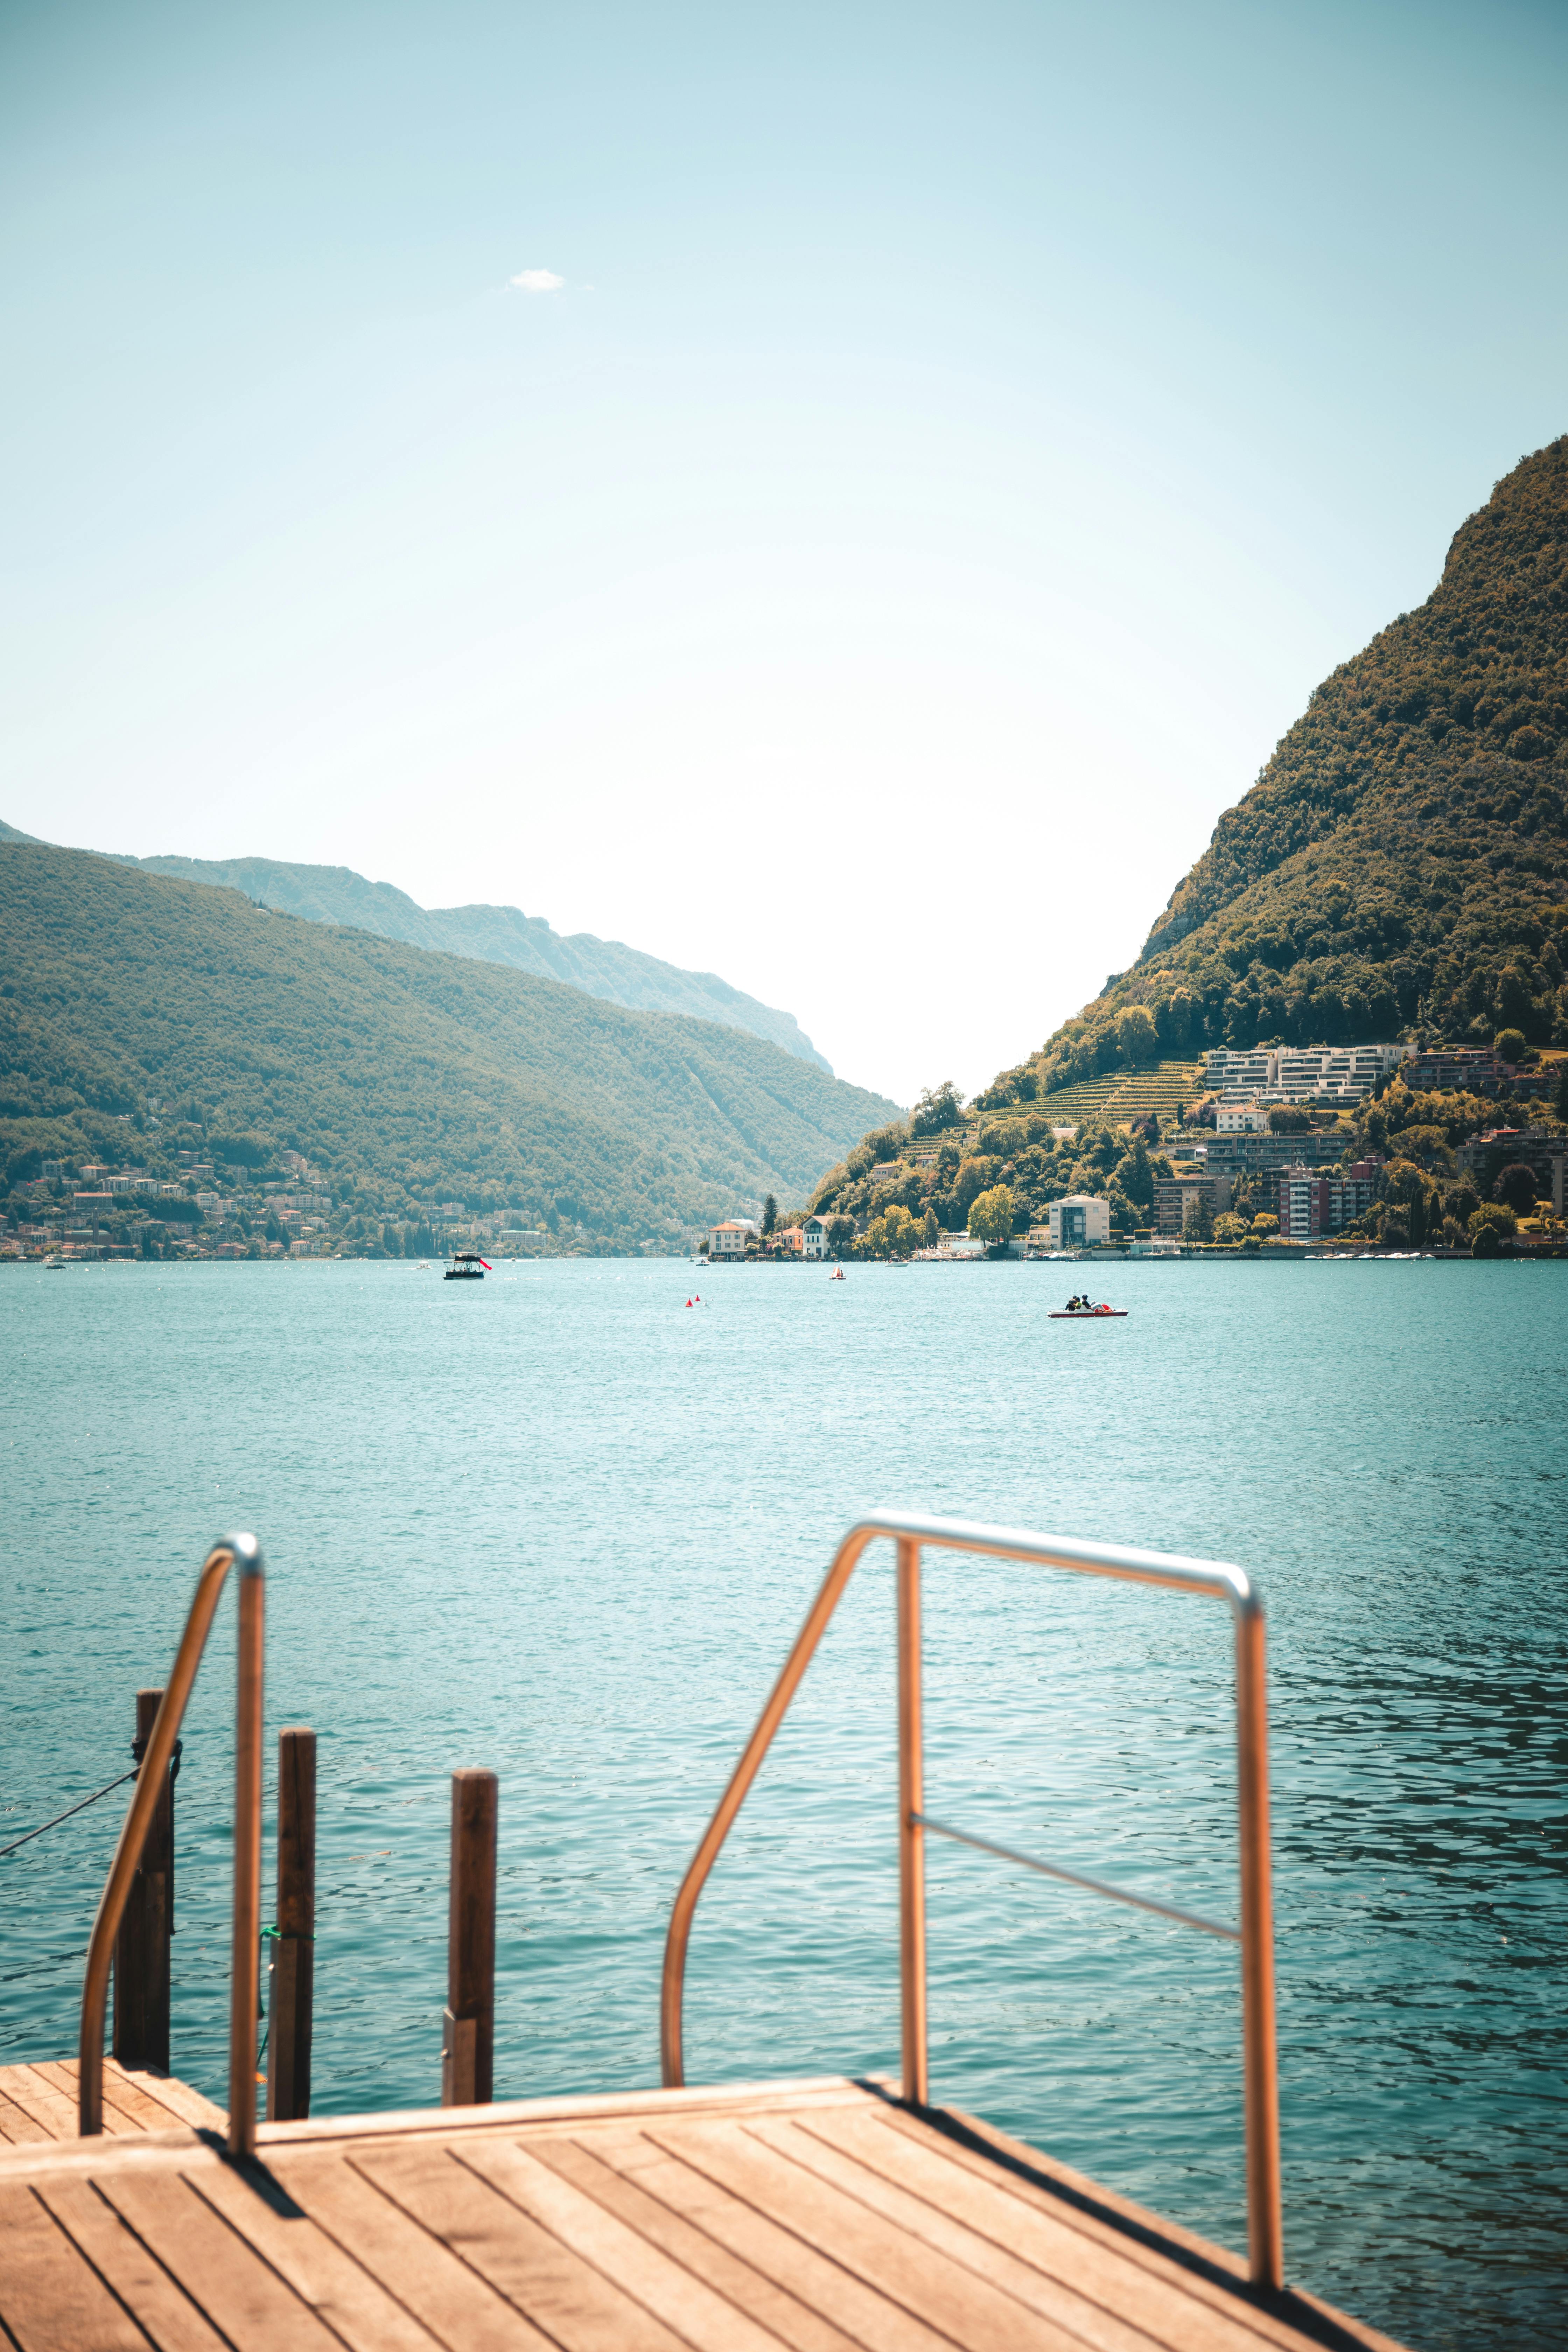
pixel 959 441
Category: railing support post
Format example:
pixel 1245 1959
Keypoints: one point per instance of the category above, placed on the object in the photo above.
pixel 1265 2225
pixel 291 1986
pixel 468 2046
pixel 912 1833
pixel 140 2036
pixel 244 1552
pixel 244 1989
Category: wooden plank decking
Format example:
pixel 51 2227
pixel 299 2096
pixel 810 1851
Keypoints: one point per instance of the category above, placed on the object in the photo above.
pixel 38 2102
pixel 819 2216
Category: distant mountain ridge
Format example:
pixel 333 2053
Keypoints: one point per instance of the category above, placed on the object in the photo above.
pixel 402 1074
pixel 602 967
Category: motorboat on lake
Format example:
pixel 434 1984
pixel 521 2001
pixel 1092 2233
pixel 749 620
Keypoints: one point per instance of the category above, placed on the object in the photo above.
pixel 467 1265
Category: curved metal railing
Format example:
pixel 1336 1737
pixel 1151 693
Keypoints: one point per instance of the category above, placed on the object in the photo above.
pixel 230 1551
pixel 1256 1933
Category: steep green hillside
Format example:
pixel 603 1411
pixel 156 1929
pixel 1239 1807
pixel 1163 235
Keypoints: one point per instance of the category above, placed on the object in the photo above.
pixel 1401 862
pixel 411 1074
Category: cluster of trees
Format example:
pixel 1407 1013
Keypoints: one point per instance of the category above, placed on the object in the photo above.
pixel 409 1074
pixel 1018 1157
pixel 938 1109
pixel 1401 860
pixel 1229 1225
pixel 895 1234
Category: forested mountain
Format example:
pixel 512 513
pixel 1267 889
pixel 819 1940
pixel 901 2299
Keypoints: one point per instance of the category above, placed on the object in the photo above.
pixel 622 975
pixel 1401 865
pixel 399 1073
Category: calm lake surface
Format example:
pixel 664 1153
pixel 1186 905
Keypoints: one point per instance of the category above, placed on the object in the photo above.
pixel 560 1525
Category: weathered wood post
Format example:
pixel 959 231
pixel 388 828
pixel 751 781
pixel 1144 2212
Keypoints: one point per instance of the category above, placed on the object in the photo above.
pixel 467 2040
pixel 140 2036
pixel 293 1980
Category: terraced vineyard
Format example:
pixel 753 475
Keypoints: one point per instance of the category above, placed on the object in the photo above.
pixel 1168 1088
pixel 1165 1089
pixel 1082 1101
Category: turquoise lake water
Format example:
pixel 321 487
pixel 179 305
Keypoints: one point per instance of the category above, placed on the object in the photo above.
pixel 560 1525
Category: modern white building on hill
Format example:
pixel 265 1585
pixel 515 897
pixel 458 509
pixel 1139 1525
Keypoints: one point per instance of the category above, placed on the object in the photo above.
pixel 1289 1074
pixel 1079 1221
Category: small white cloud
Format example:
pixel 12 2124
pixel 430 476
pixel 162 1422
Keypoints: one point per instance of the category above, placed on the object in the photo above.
pixel 537 281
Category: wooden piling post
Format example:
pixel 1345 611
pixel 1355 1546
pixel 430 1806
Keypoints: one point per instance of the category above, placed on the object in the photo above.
pixel 140 2036
pixel 468 2046
pixel 293 1948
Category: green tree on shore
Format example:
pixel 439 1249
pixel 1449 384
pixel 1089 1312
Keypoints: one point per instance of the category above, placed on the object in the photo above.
pixel 1198 1225
pixel 991 1215
pixel 894 1234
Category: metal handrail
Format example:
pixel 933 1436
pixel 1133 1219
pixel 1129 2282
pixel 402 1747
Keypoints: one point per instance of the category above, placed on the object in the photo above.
pixel 1256 1933
pixel 243 1552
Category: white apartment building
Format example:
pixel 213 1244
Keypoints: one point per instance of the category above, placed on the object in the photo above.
pixel 1240 1076
pixel 1300 1073
pixel 1241 1119
pixel 1082 1218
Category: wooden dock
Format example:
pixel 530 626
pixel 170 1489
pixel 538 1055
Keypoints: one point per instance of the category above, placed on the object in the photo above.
pixel 823 2216
pixel 40 2103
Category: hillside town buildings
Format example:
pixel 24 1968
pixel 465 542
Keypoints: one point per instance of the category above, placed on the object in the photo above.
pixel 1538 1148
pixel 1175 1196
pixel 1343 1074
pixel 1300 1073
pixel 1228 1154
pixel 1312 1204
